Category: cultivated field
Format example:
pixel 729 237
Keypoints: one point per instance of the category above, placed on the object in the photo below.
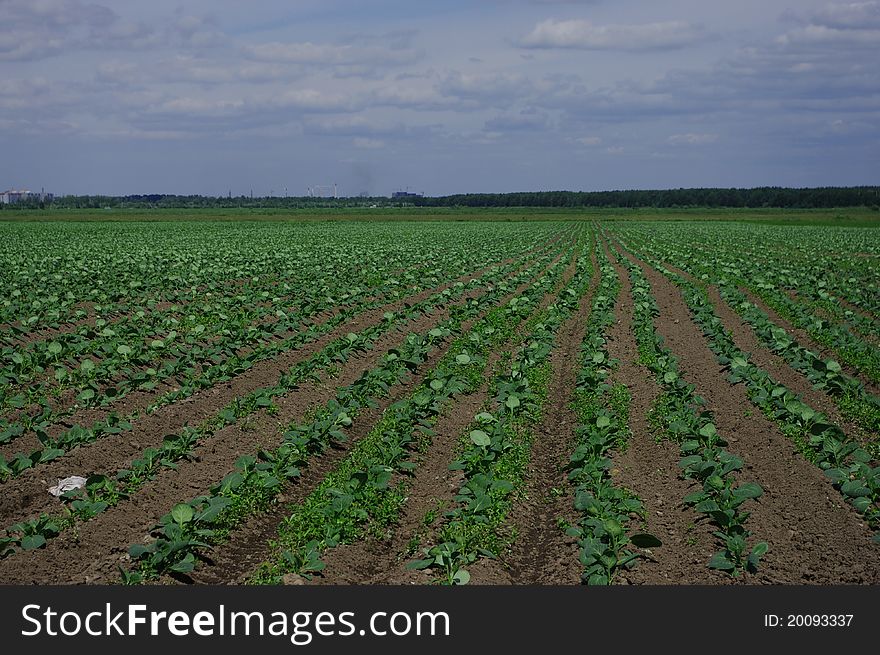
pixel 536 402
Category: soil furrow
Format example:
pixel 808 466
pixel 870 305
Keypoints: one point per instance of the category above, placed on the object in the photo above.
pixel 649 468
pixel 140 400
pixel 814 536
pixel 30 487
pixel 804 339
pixel 235 560
pixel 541 553
pixel 433 488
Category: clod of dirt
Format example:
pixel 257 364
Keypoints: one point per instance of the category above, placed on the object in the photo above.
pixel 292 579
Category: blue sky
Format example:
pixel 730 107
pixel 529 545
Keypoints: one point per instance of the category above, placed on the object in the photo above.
pixel 452 97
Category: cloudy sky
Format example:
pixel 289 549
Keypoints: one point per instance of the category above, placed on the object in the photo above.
pixel 208 96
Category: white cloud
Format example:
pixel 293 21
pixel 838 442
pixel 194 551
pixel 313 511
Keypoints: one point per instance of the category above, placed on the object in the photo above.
pixel 853 15
pixel 584 35
pixel 36 29
pixel 822 35
pixel 520 121
pixel 589 141
pixel 364 143
pixel 692 139
pixel 326 54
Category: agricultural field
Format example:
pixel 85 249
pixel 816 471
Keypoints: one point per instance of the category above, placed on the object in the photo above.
pixel 590 401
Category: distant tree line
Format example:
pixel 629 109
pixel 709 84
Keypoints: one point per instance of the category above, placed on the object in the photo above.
pixel 823 197
pixel 807 198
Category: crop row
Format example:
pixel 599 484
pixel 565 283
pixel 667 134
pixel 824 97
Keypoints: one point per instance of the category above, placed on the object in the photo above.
pixel 134 359
pixel 846 464
pixel 770 281
pixel 682 415
pixel 605 510
pixel 58 272
pixel 54 447
pixel 256 482
pixel 102 491
pixel 495 450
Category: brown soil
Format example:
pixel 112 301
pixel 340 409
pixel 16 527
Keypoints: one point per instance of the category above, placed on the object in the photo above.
pixel 140 400
pixel 432 488
pixel 236 560
pixel 804 339
pixel 814 536
pixel 27 493
pixel 746 340
pixel 541 553
pixel 649 468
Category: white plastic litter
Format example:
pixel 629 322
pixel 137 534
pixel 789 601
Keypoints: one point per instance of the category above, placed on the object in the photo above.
pixel 68 484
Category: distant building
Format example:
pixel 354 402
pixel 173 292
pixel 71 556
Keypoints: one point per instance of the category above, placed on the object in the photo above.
pixel 403 195
pixel 22 195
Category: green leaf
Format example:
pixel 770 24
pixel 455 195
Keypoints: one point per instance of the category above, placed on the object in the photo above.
pixel 748 490
pixel 461 577
pixel 463 359
pixel 603 421
pixel 645 540
pixel 837 475
pixel 123 350
pixel 854 489
pixel 480 438
pixel 33 541
pixel 719 561
pixel 670 377
pixel 512 402
pixel 137 551
pixel 612 527
pixel 708 431
pixel 182 513
pixel 54 348
pixel 420 564
pixel 862 503
pixel 185 565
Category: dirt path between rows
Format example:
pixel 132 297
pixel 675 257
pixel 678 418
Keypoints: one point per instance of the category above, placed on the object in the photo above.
pixel 434 486
pixel 746 340
pixel 26 495
pixel 814 536
pixel 650 468
pixel 140 400
pixel 87 546
pixel 541 553
pixel 236 560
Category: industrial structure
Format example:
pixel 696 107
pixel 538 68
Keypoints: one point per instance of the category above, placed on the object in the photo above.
pixel 324 191
pixel 23 195
pixel 404 195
